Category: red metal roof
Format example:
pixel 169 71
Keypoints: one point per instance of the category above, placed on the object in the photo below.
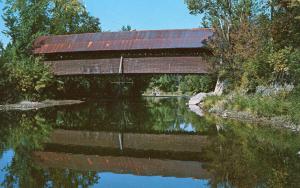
pixel 119 41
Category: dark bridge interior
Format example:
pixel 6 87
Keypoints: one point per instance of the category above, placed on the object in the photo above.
pixel 134 52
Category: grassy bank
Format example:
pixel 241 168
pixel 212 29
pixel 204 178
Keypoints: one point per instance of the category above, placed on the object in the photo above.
pixel 281 108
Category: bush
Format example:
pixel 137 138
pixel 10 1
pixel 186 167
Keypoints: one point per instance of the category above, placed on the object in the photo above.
pixel 211 101
pixel 279 67
pixel 285 65
pixel 197 83
pixel 166 83
pixel 30 76
pixel 185 84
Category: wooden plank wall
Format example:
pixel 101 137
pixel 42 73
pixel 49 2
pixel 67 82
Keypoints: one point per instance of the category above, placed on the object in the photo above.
pixel 144 65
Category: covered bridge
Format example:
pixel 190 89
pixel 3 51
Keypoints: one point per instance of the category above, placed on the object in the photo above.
pixel 135 52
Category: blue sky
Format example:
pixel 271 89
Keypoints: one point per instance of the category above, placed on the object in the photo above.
pixel 140 14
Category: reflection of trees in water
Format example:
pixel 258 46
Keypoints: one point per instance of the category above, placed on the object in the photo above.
pixel 238 155
pixel 24 134
pixel 251 156
pixel 69 178
pixel 173 115
pixel 145 115
pixel 107 115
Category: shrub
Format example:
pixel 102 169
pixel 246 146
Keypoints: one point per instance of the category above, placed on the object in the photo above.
pixel 279 67
pixel 285 65
pixel 210 101
pixel 165 83
pixel 186 84
pixel 197 83
pixel 30 77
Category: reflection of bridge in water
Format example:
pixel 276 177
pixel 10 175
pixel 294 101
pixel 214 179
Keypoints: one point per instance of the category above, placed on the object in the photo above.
pixel 128 153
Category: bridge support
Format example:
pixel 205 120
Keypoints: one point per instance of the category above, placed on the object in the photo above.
pixel 121 65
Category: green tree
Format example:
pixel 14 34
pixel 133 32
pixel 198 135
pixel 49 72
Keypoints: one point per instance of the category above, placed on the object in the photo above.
pixel 255 41
pixel 285 26
pixel 235 37
pixel 1 49
pixel 70 16
pixel 126 28
pixel 285 66
pixel 25 21
pixel 167 83
pixel 2 78
pixel 1 59
pixel 196 83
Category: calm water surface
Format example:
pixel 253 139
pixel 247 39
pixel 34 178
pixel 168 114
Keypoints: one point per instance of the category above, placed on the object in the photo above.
pixel 139 144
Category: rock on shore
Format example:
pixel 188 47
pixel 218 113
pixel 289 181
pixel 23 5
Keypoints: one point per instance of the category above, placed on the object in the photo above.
pixel 197 99
pixel 196 109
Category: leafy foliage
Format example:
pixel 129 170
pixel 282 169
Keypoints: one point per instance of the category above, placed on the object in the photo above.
pixel 196 84
pixel 247 51
pixel 126 28
pixel 30 76
pixel 70 16
pixel 235 34
pixel 186 84
pixel 165 83
pixel 2 79
pixel 285 25
pixel 285 65
pixel 25 21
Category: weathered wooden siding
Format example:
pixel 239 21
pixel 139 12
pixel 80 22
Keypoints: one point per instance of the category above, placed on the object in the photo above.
pixel 145 65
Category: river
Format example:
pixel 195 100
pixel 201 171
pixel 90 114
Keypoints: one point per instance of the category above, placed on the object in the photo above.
pixel 141 143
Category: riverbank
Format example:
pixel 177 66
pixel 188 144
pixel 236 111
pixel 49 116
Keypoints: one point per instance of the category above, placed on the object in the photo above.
pixel 278 110
pixel 150 93
pixel 28 105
